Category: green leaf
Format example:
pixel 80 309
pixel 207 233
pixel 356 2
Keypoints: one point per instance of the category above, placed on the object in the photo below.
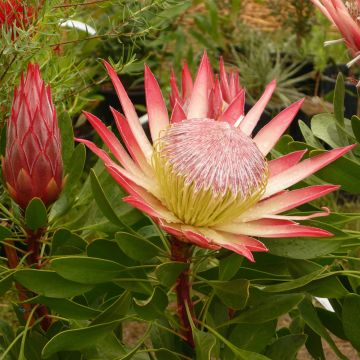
pixel 286 347
pixel 67 138
pixel 76 167
pixel 153 307
pixel 168 272
pixel 133 351
pixel 173 11
pixel 117 309
pixel 308 135
pixel 355 124
pixel 282 145
pixel 351 319
pixel 5 233
pixel 136 247
pixel 49 283
pixel 325 127
pixel 108 250
pixel 302 248
pixel 6 334
pixel 233 293
pixel 135 280
pixel 229 266
pixel 161 338
pixel 3 135
pixel 328 286
pixel 103 202
pixel 296 283
pixel 107 348
pixel 239 353
pixel 77 339
pixel 65 242
pixel 309 315
pixel 332 322
pixel 167 354
pixel 86 270
pixel 253 337
pixel 339 96
pixel 5 283
pixel 267 308
pixel 342 171
pixel 67 308
pixel 35 214
pixel 313 344
pixel 204 344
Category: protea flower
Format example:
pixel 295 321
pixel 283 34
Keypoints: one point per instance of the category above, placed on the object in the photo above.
pixel 32 166
pixel 346 17
pixel 15 12
pixel 204 179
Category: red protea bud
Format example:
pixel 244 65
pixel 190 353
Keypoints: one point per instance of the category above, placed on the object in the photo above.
pixel 32 166
pixel 15 12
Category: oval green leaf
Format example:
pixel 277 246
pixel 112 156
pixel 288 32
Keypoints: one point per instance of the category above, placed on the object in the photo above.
pixel 49 283
pixel 351 319
pixel 153 307
pixel 77 339
pixel 36 215
pixel 86 270
pixel 168 272
pixel 233 293
pixel 136 247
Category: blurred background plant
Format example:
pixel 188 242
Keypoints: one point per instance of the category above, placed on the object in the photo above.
pixel 69 53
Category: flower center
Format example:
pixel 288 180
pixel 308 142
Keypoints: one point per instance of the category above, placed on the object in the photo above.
pixel 209 171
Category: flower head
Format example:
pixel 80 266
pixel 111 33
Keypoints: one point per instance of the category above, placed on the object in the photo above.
pixel 346 17
pixel 205 178
pixel 32 165
pixel 15 12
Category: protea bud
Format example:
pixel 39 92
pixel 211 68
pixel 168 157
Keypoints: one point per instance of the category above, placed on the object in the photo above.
pixel 32 166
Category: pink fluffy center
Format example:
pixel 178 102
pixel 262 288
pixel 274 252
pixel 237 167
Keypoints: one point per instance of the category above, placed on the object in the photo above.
pixel 214 155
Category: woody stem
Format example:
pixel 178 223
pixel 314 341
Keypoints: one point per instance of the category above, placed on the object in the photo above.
pixel 13 262
pixel 181 251
pixel 33 241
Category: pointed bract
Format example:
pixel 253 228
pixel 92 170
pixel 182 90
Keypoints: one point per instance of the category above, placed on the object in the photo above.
pixel 251 119
pixel 157 112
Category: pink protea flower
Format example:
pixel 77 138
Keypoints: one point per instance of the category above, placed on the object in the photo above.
pixel 32 165
pixel 205 179
pixel 346 17
pixel 15 12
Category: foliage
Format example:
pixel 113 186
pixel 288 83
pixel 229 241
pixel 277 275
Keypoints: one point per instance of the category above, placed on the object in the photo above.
pixel 314 45
pixel 297 17
pixel 219 28
pixel 69 57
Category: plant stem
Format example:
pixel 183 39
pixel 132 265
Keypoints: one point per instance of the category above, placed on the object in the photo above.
pixel 13 262
pixel 181 251
pixel 33 242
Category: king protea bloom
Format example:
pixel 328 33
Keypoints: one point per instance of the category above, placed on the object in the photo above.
pixel 32 165
pixel 204 178
pixel 346 17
